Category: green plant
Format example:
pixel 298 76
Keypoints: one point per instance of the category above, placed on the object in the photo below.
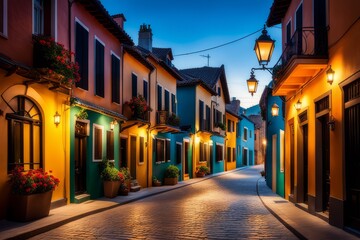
pixel 110 173
pixel 125 171
pixel 82 114
pixel 172 172
pixel 32 181
pixel 57 60
pixel 203 169
pixel 138 106
pixel 173 120
pixel 221 125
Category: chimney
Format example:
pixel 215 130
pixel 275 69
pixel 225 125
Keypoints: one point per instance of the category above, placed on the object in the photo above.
pixel 119 19
pixel 145 37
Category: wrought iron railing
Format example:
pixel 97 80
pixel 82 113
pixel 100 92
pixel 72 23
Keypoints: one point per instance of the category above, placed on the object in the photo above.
pixel 164 117
pixel 307 42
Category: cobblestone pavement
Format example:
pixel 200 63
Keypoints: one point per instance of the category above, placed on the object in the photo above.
pixel 223 207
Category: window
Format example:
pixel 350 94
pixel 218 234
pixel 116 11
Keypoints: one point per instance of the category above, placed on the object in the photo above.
pixel 110 145
pixel 134 85
pixel 201 152
pixel 115 78
pixel 288 33
pixel 219 91
pixel 178 152
pixel 245 137
pixel 159 93
pixel 207 121
pixel 167 150
pixel 250 134
pixel 173 103
pixel 234 155
pixel 99 68
pixel 228 154
pixel 24 134
pixel 160 146
pixel 141 154
pixel 145 90
pixel 3 18
pixel 167 101
pixel 162 150
pixel 201 115
pixel 38 17
pixel 206 155
pixel 219 152
pixel 82 54
pixel 97 142
pixel 254 136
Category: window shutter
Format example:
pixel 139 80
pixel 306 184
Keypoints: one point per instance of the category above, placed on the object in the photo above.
pixel 82 55
pixel 134 85
pixel 115 79
pixel 159 93
pixel 201 115
pixel 173 104
pixel 167 104
pixel 99 69
pixel 110 145
pixel 145 90
pixel 207 118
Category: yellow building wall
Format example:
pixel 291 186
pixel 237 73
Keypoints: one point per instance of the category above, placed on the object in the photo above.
pixel 344 55
pixel 55 144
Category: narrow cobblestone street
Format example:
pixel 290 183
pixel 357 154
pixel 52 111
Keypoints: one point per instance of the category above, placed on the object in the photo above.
pixel 223 207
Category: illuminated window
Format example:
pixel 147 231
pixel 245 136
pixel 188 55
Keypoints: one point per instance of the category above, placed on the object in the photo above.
pixel 3 17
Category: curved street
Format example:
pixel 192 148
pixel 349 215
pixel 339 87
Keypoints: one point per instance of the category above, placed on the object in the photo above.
pixel 223 207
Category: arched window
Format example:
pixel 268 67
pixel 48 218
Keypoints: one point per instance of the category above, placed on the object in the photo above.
pixel 24 134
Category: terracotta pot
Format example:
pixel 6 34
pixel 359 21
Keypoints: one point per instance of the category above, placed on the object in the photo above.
pixel 156 184
pixel 170 181
pixel 111 188
pixel 29 207
pixel 200 174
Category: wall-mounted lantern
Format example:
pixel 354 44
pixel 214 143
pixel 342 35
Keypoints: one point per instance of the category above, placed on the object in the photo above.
pixel 330 75
pixel 57 118
pixel 298 105
pixel 275 110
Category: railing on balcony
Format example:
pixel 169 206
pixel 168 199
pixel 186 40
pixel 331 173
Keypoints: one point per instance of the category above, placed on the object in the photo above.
pixel 163 117
pixel 205 125
pixel 307 43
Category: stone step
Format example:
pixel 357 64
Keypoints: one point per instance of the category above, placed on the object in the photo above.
pixel 82 198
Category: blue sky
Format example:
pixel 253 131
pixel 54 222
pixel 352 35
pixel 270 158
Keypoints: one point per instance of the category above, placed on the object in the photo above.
pixel 192 25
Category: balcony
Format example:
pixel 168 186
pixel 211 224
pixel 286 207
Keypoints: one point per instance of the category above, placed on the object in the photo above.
pixel 167 122
pixel 302 59
pixel 134 118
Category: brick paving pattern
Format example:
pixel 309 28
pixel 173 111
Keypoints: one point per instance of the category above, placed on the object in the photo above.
pixel 223 207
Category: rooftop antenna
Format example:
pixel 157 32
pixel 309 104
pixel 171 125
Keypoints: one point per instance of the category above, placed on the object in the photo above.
pixel 208 58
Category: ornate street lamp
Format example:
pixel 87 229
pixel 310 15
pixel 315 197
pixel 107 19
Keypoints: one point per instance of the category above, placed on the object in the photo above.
pixel 264 47
pixel 252 83
pixel 57 117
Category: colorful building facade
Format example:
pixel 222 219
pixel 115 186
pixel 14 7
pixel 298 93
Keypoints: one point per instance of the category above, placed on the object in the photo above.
pixel 319 67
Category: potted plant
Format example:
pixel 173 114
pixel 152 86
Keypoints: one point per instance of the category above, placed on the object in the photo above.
pixel 126 184
pixel 54 61
pixel 202 171
pixel 173 120
pixel 156 182
pixel 171 175
pixel 221 125
pixel 31 193
pixel 138 106
pixel 112 178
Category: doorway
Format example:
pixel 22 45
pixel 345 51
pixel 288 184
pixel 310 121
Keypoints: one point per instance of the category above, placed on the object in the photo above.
pixel 80 157
pixel 352 154
pixel 186 160
pixel 133 157
pixel 322 163
pixel 305 162
pixel 123 153
pixel 245 156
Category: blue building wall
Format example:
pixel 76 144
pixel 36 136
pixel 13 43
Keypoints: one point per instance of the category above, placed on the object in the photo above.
pixel 186 106
pixel 241 144
pixel 217 166
pixel 274 126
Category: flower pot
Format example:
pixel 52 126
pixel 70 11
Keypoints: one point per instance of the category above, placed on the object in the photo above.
pixel 200 174
pixel 111 188
pixel 170 181
pixel 29 207
pixel 156 183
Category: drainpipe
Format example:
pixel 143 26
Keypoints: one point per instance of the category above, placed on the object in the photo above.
pixel 149 139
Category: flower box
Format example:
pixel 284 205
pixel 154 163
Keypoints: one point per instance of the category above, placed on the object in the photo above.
pixel 30 207
pixel 170 181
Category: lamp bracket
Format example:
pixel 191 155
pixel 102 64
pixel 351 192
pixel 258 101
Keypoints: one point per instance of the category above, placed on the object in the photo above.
pixel 270 70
